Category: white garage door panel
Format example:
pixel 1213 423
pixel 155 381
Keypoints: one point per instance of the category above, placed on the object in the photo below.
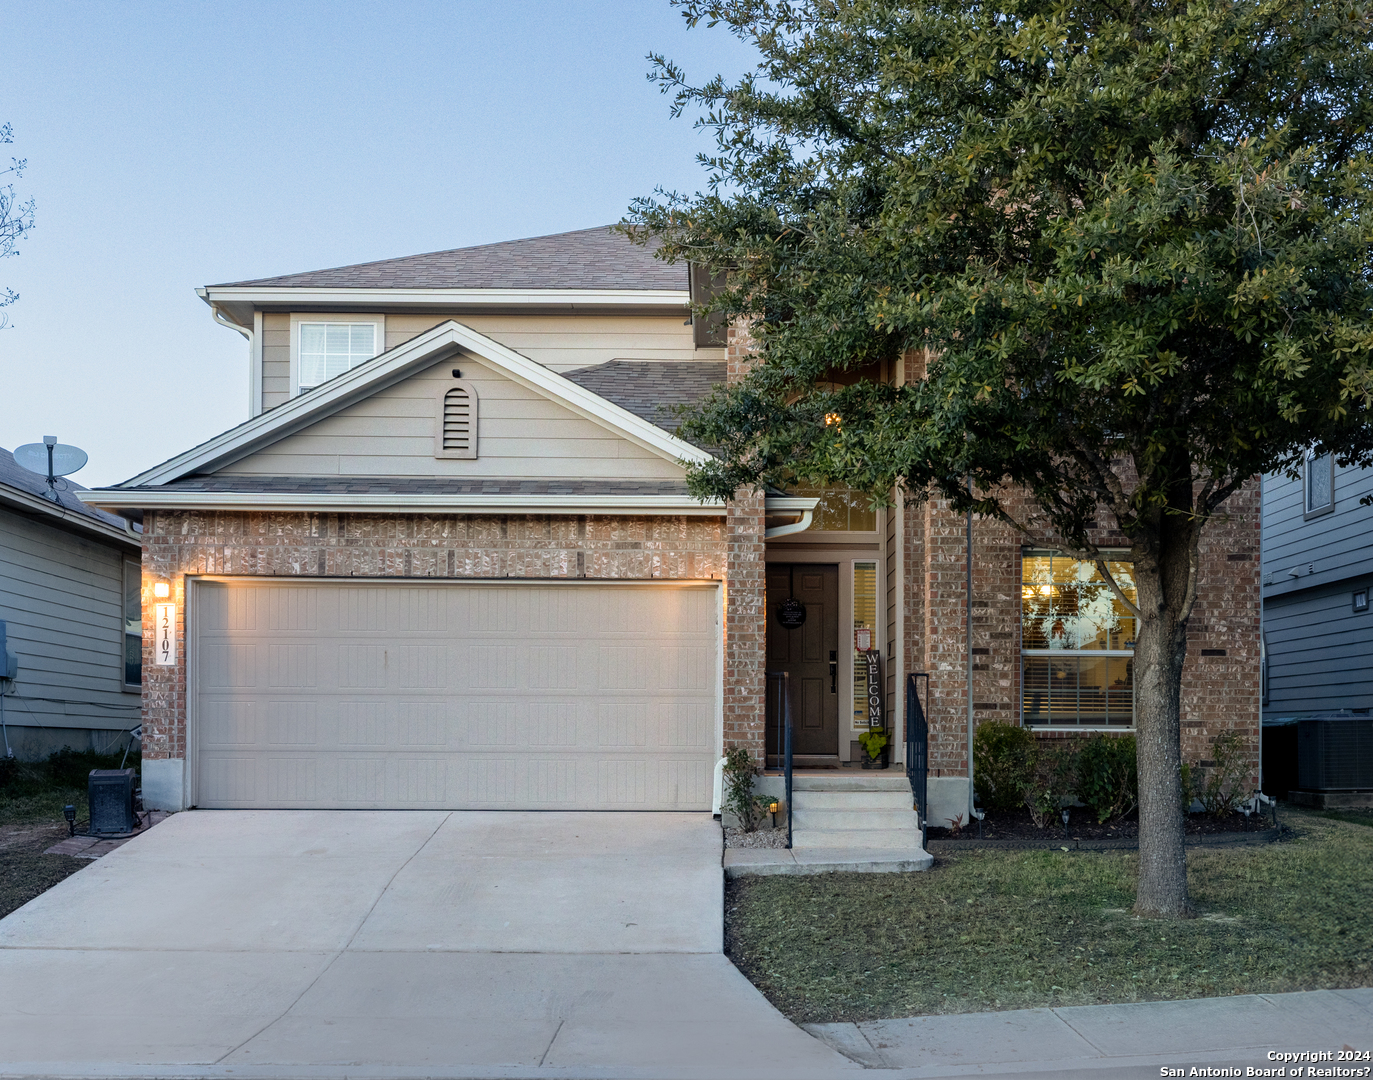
pixel 321 694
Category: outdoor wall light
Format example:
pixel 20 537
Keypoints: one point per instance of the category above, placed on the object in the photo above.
pixel 162 590
pixel 69 812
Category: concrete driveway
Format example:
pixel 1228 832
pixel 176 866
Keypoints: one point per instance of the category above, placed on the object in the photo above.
pixel 319 943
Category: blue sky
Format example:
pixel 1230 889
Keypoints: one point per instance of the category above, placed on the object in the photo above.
pixel 182 144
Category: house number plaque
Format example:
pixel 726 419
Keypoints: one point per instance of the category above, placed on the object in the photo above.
pixel 164 635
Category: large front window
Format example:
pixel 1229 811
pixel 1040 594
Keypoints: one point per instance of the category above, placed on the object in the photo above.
pixel 1077 643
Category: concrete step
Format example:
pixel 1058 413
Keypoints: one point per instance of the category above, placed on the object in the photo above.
pixel 853 820
pixel 887 780
pixel 856 840
pixel 852 800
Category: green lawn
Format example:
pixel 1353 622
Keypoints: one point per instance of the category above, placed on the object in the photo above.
pixel 990 930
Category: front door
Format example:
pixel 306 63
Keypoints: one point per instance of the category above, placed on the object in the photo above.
pixel 808 652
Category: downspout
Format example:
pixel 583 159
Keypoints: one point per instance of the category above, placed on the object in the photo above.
pixel 794 527
pixel 970 655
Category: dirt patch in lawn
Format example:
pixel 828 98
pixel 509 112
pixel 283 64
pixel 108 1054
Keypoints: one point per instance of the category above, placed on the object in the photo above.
pixel 1018 825
pixel 25 872
pixel 995 929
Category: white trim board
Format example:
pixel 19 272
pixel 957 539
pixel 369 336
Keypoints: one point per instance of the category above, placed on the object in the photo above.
pixel 448 339
pixel 374 503
pixel 296 296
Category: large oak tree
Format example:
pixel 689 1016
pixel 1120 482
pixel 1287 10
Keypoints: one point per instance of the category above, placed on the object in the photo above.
pixel 1132 238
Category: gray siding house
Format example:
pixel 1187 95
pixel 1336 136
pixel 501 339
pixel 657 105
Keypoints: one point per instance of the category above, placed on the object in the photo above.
pixel 1317 576
pixel 70 598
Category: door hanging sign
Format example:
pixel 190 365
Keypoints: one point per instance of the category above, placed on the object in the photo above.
pixel 164 635
pixel 791 614
pixel 877 717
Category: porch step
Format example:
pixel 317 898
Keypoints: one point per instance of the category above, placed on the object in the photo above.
pixel 846 781
pixel 856 841
pixel 867 812
pixel 846 819
pixel 853 800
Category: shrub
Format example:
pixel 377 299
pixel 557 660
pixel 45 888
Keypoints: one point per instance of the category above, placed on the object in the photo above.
pixel 1107 776
pixel 1221 785
pixel 739 798
pixel 1051 779
pixel 1002 762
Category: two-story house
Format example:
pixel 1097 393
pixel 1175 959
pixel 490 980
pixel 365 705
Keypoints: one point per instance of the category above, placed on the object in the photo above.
pixel 450 560
pixel 1317 578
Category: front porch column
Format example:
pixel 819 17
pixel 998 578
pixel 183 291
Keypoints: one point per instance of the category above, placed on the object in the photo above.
pixel 745 624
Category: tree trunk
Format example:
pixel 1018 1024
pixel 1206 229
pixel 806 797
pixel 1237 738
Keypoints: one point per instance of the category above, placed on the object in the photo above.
pixel 1165 582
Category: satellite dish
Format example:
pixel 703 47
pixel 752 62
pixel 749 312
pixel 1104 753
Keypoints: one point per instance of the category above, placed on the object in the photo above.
pixel 50 458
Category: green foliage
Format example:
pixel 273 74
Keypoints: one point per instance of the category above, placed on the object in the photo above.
pixel 1221 784
pixel 739 798
pixel 1106 775
pixel 874 740
pixel 1049 782
pixel 1002 756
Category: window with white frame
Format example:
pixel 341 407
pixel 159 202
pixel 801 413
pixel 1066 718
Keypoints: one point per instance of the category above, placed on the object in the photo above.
pixel 1319 484
pixel 328 349
pixel 1077 643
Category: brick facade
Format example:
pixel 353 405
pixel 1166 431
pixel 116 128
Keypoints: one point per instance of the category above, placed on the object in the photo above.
pixel 1220 690
pixel 546 547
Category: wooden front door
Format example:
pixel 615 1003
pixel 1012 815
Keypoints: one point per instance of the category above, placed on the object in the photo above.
pixel 809 653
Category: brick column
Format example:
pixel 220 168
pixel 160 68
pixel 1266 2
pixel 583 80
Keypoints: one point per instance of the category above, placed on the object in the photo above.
pixel 745 585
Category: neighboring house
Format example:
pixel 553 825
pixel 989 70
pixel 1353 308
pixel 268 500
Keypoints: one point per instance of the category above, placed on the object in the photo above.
pixel 451 560
pixel 69 598
pixel 1317 578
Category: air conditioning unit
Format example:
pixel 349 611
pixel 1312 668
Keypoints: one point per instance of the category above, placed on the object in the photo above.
pixel 1335 754
pixel 110 792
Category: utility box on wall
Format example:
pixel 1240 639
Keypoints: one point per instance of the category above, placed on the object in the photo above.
pixel 110 792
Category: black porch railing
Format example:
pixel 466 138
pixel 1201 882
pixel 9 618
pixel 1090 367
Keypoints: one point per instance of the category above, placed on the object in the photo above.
pixel 918 749
pixel 779 686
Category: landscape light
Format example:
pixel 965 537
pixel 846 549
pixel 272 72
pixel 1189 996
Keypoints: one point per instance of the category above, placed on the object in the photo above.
pixel 69 812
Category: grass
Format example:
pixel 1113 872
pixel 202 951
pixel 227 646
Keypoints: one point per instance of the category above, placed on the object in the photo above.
pixel 32 795
pixel 1357 817
pixel 989 930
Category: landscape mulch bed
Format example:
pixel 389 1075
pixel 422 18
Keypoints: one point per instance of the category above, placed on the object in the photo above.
pixel 1015 829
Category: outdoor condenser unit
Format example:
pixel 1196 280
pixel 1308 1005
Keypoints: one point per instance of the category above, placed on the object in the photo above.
pixel 1335 754
pixel 110 792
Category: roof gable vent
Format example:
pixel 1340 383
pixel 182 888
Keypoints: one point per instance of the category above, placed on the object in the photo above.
pixel 456 429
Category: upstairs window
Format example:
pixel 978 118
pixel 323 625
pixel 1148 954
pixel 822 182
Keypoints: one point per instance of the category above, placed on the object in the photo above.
pixel 331 348
pixel 841 508
pixel 455 434
pixel 1077 643
pixel 1319 484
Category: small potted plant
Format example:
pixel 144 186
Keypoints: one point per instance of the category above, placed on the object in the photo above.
pixel 874 743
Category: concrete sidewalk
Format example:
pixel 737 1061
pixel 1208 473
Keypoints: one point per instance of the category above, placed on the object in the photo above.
pixel 1120 1041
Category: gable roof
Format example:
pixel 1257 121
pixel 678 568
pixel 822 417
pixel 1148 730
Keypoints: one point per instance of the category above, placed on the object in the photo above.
pixel 27 492
pixel 587 259
pixel 448 339
pixel 651 388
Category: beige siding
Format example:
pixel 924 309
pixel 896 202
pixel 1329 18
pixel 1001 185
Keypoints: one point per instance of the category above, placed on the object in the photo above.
pixel 519 434
pixel 565 342
pixel 276 359
pixel 61 599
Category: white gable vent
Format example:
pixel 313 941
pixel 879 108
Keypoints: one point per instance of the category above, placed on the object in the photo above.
pixel 456 433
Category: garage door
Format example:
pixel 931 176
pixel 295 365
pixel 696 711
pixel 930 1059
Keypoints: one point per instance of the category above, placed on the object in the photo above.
pixel 403 695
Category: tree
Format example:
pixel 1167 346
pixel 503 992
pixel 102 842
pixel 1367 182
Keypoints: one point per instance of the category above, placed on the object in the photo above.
pixel 1130 238
pixel 16 218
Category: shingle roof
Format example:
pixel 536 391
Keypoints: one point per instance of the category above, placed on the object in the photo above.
pixel 419 485
pixel 16 476
pixel 650 388
pixel 586 259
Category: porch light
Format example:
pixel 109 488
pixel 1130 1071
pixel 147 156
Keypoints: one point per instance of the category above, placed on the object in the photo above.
pixel 162 590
